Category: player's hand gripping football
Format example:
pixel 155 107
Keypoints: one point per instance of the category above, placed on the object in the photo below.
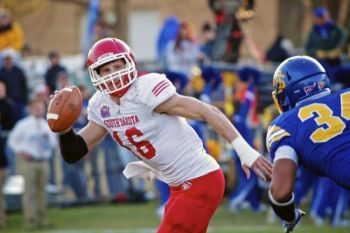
pixel 289 226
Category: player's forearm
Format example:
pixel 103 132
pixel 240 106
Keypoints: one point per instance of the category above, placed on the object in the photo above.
pixel 215 118
pixel 225 128
pixel 73 147
pixel 194 109
pixel 92 134
pixel 284 210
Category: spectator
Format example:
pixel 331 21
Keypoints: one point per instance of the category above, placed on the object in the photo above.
pixel 207 41
pixel 53 70
pixel 212 77
pixel 167 33
pixel 7 109
pixel 15 80
pixel 101 31
pixel 62 80
pixel 183 52
pixel 11 33
pixel 281 49
pixel 32 141
pixel 228 30
pixel 41 92
pixel 246 190
pixel 7 121
pixel 179 80
pixel 325 40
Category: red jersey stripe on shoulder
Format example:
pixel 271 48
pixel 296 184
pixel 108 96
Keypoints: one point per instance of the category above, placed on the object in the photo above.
pixel 159 85
pixel 162 89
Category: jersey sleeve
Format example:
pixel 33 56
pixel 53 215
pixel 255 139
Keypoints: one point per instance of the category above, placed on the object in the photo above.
pixel 276 138
pixel 155 89
pixel 93 111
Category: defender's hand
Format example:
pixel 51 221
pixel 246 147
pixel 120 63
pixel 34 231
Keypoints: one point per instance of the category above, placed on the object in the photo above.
pixel 289 226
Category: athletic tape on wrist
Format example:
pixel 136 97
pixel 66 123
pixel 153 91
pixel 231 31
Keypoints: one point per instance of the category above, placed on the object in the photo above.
pixel 245 152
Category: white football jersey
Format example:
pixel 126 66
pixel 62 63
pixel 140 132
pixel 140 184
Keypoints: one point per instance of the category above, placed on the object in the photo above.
pixel 166 143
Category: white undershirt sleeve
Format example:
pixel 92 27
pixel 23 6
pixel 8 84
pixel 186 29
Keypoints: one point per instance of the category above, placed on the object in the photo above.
pixel 286 152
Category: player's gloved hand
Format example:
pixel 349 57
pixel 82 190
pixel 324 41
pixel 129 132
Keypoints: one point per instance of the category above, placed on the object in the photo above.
pixel 289 226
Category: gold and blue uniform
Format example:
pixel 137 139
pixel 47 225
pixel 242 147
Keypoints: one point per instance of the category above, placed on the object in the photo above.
pixel 319 132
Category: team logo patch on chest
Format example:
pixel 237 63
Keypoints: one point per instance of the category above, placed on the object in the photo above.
pixel 105 111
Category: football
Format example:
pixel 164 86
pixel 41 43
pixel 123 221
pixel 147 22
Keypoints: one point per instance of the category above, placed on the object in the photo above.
pixel 64 108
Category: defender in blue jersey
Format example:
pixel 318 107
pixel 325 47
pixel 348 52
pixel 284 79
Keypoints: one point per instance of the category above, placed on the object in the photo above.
pixel 313 130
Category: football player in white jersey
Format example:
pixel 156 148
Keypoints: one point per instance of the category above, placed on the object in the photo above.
pixel 145 115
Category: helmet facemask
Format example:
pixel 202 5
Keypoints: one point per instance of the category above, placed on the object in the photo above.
pixel 281 102
pixel 279 91
pixel 276 102
pixel 117 81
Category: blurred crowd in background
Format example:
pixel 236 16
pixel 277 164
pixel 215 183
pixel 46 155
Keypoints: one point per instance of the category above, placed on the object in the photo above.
pixel 203 66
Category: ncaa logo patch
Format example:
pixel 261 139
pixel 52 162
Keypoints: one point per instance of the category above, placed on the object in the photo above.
pixel 105 111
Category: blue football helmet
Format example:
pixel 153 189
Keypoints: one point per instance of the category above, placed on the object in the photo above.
pixel 296 79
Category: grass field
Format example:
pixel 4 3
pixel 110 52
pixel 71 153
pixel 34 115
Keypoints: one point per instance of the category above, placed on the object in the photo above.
pixel 141 218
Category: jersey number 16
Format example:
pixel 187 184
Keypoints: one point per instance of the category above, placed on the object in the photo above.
pixel 144 148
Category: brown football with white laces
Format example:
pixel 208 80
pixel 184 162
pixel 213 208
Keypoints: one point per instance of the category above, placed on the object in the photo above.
pixel 64 108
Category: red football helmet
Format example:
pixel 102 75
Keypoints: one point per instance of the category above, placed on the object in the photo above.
pixel 107 50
